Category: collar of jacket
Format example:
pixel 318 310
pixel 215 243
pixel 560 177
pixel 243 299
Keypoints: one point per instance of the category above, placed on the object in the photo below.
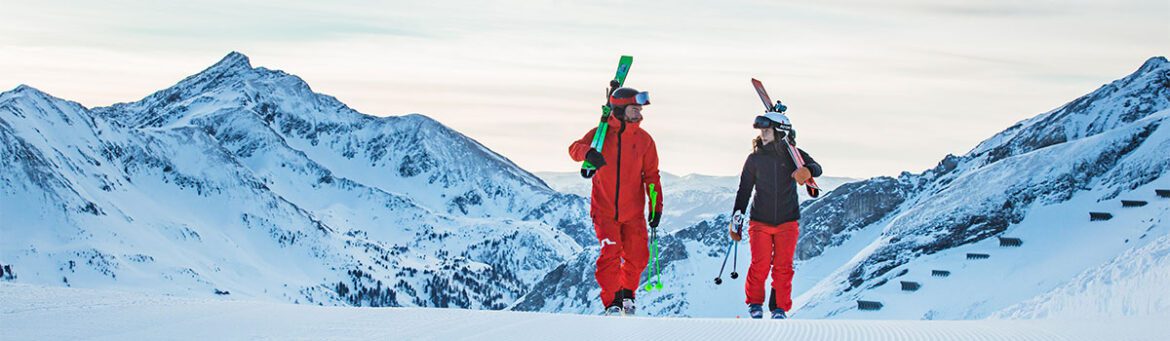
pixel 771 147
pixel 615 124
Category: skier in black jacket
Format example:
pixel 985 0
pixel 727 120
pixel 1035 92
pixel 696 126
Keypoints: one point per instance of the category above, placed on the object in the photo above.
pixel 773 229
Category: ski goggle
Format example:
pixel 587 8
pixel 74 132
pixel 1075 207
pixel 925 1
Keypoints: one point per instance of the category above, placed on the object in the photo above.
pixel 763 123
pixel 642 98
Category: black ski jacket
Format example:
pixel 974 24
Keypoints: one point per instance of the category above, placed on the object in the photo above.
pixel 769 170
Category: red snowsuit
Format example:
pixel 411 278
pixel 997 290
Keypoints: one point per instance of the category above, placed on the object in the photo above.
pixel 772 249
pixel 619 197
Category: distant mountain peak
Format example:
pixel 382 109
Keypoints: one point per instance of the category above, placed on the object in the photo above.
pixel 232 65
pixel 23 88
pixel 26 90
pixel 233 60
pixel 1153 63
pixel 226 75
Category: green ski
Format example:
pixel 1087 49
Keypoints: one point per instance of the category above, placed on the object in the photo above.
pixel 623 69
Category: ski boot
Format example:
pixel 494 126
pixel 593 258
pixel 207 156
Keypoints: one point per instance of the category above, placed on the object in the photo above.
pixel 628 308
pixel 613 310
pixel 778 314
pixel 756 311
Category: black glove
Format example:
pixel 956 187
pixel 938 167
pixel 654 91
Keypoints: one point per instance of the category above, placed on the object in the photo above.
pixel 594 157
pixel 655 218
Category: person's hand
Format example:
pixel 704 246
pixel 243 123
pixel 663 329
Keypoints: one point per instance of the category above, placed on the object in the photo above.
pixel 801 175
pixel 594 158
pixel 655 218
pixel 734 235
pixel 736 227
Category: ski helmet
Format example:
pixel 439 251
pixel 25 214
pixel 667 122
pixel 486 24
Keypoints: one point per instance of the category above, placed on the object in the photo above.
pixel 772 119
pixel 626 96
pixel 775 120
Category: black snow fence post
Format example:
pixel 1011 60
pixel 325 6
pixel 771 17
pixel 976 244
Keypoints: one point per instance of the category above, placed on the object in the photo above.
pixel 1096 216
pixel 1133 203
pixel 1010 242
pixel 1165 193
pixel 910 286
pixel 869 305
pixel 940 273
pixel 978 256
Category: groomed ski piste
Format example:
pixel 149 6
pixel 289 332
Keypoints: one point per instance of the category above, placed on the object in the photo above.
pixel 52 313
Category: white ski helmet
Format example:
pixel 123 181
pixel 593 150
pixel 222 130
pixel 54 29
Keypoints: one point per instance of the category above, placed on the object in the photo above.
pixel 773 119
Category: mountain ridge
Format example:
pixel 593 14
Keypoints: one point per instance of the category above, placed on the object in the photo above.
pixel 232 165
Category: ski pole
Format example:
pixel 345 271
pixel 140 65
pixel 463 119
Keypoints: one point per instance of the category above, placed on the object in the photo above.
pixel 657 271
pixel 719 280
pixel 735 261
pixel 657 262
pixel 654 269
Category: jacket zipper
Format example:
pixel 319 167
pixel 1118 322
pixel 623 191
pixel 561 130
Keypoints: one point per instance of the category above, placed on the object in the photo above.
pixel 617 189
pixel 779 173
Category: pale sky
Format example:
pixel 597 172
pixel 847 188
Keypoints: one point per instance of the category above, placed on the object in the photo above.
pixel 874 88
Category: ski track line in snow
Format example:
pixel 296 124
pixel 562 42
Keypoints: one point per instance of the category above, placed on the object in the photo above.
pixel 34 312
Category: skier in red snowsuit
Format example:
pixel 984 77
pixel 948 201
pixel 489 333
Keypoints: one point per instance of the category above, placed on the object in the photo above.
pixel 773 229
pixel 627 166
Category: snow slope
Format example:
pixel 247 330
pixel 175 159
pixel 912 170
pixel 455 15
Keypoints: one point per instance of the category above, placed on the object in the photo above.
pixel 1132 284
pixel 1059 244
pixel 43 313
pixel 1036 181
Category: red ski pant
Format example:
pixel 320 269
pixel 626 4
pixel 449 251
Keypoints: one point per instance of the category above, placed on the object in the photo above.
pixel 623 255
pixel 772 249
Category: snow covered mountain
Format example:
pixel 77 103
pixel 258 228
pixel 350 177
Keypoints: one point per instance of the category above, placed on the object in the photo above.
pixel 928 245
pixel 692 198
pixel 1032 185
pixel 241 181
